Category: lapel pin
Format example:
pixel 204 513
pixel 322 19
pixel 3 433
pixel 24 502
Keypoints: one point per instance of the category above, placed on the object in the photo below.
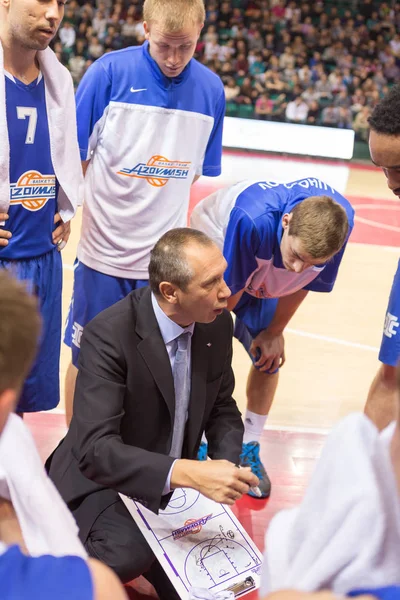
pixel 209 344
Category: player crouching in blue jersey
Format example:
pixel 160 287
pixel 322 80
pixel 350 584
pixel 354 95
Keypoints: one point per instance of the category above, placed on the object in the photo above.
pixel 280 241
pixel 384 146
pixel 40 173
pixel 38 577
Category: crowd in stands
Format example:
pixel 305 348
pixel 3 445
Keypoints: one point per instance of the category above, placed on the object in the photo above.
pixel 325 63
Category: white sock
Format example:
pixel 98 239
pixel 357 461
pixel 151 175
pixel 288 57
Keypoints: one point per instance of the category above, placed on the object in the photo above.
pixel 203 438
pixel 253 426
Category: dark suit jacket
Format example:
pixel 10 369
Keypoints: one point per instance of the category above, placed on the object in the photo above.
pixel 121 431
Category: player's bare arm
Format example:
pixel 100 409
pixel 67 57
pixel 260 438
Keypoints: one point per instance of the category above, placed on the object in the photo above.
pixel 10 530
pixel 85 164
pixel 233 300
pixel 62 232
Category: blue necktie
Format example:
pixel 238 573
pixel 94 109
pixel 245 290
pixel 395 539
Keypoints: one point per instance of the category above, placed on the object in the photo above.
pixel 182 391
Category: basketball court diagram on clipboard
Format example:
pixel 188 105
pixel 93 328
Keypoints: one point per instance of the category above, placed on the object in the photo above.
pixel 200 543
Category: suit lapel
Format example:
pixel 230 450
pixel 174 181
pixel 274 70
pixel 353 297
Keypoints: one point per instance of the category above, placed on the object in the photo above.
pixel 154 352
pixel 199 357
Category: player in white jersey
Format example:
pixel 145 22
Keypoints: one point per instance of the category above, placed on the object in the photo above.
pixel 149 124
pixel 384 146
pixel 280 242
pixel 40 174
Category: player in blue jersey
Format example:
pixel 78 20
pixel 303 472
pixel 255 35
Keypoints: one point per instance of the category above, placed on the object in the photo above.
pixel 149 124
pixel 280 241
pixel 40 174
pixel 384 146
pixel 21 576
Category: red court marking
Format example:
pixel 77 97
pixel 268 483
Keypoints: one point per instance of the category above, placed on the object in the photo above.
pixel 377 221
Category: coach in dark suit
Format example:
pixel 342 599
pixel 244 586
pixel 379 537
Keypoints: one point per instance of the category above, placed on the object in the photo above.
pixel 155 373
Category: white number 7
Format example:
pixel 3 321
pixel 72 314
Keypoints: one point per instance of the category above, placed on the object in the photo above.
pixel 31 113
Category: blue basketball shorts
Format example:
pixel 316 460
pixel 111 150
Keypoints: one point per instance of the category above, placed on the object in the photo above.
pixel 43 275
pixel 93 292
pixel 253 315
pixel 390 347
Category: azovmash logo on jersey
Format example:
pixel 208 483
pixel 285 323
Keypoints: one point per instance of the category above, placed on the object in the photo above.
pixel 33 190
pixel 158 170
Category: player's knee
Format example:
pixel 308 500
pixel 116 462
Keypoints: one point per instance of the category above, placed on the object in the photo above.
pixel 263 377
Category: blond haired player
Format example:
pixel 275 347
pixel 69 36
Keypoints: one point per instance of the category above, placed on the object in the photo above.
pixel 149 124
pixel 280 241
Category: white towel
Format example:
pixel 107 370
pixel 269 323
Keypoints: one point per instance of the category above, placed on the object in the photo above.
pixel 346 532
pixel 46 523
pixel 61 114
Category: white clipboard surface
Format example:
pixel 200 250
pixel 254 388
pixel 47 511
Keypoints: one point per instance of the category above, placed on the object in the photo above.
pixel 199 543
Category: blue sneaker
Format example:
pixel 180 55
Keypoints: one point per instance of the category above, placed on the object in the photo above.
pixel 202 452
pixel 250 457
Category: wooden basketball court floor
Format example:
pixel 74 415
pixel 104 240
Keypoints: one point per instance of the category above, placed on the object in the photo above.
pixel 332 342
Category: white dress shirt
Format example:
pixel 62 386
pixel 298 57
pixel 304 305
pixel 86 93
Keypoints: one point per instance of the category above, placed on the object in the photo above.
pixel 170 331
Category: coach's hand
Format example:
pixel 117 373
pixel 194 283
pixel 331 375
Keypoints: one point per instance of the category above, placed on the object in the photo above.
pixel 219 480
pixel 4 234
pixel 62 232
pixel 272 348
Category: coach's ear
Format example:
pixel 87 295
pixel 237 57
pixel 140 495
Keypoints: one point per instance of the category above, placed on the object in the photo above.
pixel 168 292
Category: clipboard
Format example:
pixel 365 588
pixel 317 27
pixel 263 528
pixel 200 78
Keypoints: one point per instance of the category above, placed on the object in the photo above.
pixel 200 544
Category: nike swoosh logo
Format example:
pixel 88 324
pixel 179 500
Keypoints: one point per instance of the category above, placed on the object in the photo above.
pixel 141 90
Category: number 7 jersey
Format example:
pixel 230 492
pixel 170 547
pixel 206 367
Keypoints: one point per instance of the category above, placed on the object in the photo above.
pixel 33 186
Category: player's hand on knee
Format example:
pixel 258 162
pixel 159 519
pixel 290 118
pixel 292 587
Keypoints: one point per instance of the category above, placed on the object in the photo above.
pixel 4 234
pixel 269 351
pixel 62 232
pixel 221 480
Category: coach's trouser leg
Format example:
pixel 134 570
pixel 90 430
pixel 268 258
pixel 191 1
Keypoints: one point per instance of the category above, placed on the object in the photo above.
pixel 70 382
pixel 382 402
pixel 160 581
pixel 116 540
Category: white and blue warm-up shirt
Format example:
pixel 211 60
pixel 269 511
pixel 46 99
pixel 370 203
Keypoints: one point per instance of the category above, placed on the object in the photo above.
pixel 147 136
